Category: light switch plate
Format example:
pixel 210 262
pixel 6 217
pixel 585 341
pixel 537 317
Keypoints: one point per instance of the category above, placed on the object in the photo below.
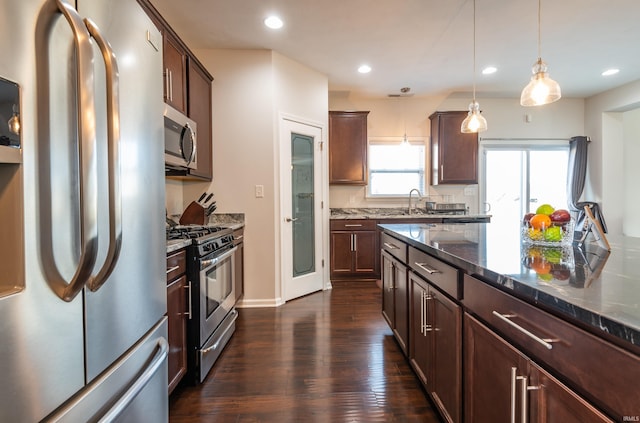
pixel 259 191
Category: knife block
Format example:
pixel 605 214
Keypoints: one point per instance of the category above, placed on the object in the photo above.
pixel 193 215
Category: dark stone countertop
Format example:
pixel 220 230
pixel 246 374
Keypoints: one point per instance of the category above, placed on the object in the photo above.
pixel 597 289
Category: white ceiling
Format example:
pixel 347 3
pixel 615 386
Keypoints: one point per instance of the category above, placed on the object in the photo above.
pixel 428 44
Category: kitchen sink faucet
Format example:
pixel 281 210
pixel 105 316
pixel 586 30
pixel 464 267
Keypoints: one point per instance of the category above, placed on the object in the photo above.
pixel 410 193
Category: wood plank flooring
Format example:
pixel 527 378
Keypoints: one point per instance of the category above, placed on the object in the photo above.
pixel 326 357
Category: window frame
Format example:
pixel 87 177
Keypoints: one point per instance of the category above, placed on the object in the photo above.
pixel 418 141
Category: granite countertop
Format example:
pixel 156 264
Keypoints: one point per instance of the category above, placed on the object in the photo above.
pixel 598 289
pixel 177 244
pixel 396 213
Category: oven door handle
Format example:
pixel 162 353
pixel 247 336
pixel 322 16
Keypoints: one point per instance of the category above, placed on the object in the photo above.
pixel 208 263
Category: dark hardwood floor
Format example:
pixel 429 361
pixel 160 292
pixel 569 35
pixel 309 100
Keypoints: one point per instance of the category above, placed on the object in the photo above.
pixel 326 357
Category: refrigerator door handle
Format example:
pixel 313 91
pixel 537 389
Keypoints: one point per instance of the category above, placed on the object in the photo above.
pixel 139 384
pixel 86 145
pixel 113 140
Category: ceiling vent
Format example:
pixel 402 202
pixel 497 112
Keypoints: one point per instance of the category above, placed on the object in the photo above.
pixel 404 92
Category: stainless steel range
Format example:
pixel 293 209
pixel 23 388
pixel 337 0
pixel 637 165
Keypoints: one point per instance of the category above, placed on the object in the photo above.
pixel 210 272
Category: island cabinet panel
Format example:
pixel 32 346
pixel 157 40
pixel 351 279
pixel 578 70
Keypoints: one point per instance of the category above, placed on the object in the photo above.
pixel 436 346
pixel 454 155
pixel 348 148
pixel 354 249
pixel 575 356
pixel 395 297
pixel 504 385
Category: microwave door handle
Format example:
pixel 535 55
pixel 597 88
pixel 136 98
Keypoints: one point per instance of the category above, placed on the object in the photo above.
pixel 88 200
pixel 187 132
pixel 113 159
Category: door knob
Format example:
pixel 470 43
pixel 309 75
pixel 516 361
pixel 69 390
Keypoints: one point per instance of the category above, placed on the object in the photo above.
pixel 288 219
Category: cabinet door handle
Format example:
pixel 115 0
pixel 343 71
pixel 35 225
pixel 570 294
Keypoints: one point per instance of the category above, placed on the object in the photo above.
pixel 188 288
pixel 506 318
pixel 170 85
pixel 166 83
pixel 429 270
pixel 422 313
pixel 171 269
pixel 391 246
pixel 353 225
pixel 355 242
pixel 428 325
pixel 512 416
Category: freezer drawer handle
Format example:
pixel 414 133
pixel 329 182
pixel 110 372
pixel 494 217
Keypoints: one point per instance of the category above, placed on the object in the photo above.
pixel 131 393
pixel 113 159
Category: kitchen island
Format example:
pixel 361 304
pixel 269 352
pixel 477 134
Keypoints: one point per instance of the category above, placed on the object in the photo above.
pixel 567 321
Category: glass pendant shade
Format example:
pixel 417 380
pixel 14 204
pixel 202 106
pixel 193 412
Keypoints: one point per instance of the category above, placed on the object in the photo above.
pixel 474 122
pixel 541 89
pixel 14 123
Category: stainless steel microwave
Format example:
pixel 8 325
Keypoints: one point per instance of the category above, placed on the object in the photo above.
pixel 179 140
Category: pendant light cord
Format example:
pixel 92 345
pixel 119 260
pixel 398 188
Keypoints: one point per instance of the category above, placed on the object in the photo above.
pixel 474 50
pixel 539 38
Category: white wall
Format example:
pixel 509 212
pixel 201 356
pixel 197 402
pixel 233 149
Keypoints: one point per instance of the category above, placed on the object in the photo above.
pixel 604 123
pixel 250 89
pixel 505 118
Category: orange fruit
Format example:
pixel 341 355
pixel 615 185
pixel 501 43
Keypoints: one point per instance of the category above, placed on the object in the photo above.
pixel 540 266
pixel 540 221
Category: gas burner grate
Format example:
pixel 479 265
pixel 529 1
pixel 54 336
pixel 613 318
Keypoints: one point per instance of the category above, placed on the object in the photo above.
pixel 191 232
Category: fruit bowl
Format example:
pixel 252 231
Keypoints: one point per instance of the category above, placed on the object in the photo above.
pixel 547 227
pixel 550 264
pixel 555 235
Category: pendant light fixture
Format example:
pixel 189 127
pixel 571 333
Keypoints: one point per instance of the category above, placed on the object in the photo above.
pixel 474 122
pixel 541 89
pixel 405 140
pixel 14 122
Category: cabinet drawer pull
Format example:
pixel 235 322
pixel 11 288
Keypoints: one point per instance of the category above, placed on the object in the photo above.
pixel 506 318
pixel 391 246
pixel 171 269
pixel 424 267
pixel 353 225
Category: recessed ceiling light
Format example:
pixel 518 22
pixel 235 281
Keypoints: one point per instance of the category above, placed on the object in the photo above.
pixel 489 70
pixel 610 72
pixel 273 22
pixel 364 69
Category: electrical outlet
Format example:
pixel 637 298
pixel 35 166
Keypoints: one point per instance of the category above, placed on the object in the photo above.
pixel 470 190
pixel 259 191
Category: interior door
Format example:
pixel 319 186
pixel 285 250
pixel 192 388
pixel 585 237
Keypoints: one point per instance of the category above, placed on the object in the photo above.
pixel 302 223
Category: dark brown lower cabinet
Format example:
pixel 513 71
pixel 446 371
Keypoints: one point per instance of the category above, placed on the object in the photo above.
pixel 395 297
pixel 177 330
pixel 354 249
pixel 435 345
pixel 503 385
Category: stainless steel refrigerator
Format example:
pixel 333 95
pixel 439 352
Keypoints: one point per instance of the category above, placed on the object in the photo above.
pixel 82 283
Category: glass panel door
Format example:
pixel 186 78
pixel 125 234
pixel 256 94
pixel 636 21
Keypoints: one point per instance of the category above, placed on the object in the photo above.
pixel 518 179
pixel 302 192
